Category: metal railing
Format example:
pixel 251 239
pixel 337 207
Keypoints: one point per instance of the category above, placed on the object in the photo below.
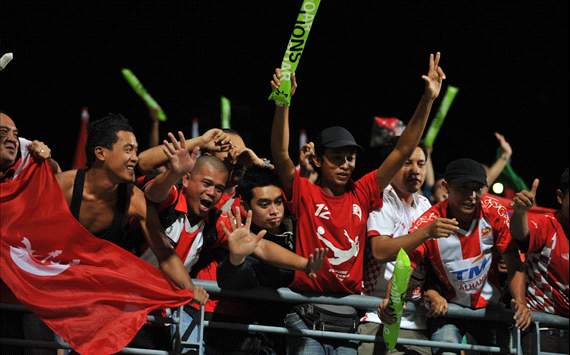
pixel 285 295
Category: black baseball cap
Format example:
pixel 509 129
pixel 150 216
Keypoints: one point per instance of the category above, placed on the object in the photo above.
pixel 463 171
pixel 336 137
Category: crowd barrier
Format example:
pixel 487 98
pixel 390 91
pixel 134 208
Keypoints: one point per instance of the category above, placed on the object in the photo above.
pixel 360 302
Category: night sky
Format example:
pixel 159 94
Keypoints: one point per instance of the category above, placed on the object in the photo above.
pixel 364 58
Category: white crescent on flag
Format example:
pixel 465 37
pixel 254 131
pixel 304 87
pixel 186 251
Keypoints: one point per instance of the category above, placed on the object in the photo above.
pixel 24 259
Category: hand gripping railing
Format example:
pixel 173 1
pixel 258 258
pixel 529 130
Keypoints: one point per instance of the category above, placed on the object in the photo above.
pixel 371 303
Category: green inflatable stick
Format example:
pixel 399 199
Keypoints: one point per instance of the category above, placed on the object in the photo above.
pixel 282 95
pixel 400 280
pixel 141 91
pixel 226 108
pixel 440 116
pixel 518 183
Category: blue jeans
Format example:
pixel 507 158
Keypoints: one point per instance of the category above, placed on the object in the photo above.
pixel 311 346
pixel 452 331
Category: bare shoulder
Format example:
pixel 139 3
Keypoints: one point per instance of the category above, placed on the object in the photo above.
pixel 65 181
pixel 137 206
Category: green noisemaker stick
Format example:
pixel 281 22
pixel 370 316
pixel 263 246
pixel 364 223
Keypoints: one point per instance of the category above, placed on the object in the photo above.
pixel 440 116
pixel 282 95
pixel 141 91
pixel 400 280
pixel 518 183
pixel 226 108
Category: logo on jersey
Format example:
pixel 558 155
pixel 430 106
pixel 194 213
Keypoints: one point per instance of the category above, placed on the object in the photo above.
pixel 340 256
pixel 323 211
pixel 486 232
pixel 357 211
pixel 474 271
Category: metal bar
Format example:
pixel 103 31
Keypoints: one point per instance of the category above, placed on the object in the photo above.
pixel 201 330
pixel 371 303
pixel 348 336
pixel 53 345
pixel 536 334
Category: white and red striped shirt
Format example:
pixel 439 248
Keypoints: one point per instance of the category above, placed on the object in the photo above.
pixel 547 265
pixel 463 262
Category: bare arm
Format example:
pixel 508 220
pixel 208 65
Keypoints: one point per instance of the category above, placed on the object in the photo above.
pixel 280 140
pixel 154 157
pixel 154 128
pixel 170 264
pixel 40 151
pixel 522 202
pixel 499 165
pixel 275 254
pixel 517 286
pixel 430 172
pixel 414 131
pixel 385 249
pixel 180 162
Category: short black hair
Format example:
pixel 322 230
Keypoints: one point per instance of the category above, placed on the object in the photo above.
pixel 564 181
pixel 254 177
pixel 103 133
pixel 212 161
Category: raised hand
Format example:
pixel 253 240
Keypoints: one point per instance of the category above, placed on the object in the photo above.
pixel 443 228
pixel 180 161
pixel 435 77
pixel 241 241
pixel 315 262
pixel 216 140
pixel 506 149
pixel 276 81
pixel 247 158
pixel 40 151
pixel 525 200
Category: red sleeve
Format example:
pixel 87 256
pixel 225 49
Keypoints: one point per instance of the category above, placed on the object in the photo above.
pixel 222 237
pixel 418 255
pixel 170 200
pixel 368 192
pixel 538 233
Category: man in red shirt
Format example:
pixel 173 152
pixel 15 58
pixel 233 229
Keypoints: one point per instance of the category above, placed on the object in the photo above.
pixel 544 239
pixel 464 263
pixel 333 212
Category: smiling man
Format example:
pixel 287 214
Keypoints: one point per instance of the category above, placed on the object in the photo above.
pixel 105 201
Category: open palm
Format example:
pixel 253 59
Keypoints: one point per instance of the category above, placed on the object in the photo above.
pixel 241 241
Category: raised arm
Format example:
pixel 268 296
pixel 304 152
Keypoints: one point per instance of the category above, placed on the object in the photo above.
pixel 522 202
pixel 517 286
pixel 499 165
pixel 415 129
pixel 180 162
pixel 280 139
pixel 154 157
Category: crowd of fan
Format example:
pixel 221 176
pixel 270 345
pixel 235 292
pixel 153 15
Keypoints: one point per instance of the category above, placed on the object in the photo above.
pixel 209 208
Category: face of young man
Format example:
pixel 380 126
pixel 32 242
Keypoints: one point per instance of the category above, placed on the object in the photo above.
pixel 464 199
pixel 337 166
pixel 9 143
pixel 410 178
pixel 122 158
pixel 203 188
pixel 563 198
pixel 268 207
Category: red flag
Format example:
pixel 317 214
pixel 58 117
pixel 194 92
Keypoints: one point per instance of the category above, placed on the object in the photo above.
pixel 80 160
pixel 89 291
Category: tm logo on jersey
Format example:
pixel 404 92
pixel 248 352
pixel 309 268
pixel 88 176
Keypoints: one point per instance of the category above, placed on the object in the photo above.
pixel 323 211
pixel 472 272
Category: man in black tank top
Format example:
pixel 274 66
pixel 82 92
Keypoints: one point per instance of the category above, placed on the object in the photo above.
pixel 105 201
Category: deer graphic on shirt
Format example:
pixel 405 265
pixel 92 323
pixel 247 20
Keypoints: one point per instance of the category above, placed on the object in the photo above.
pixel 340 256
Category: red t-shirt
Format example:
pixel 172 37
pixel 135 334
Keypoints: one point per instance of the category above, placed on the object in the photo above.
pixel 464 263
pixel 337 223
pixel 547 266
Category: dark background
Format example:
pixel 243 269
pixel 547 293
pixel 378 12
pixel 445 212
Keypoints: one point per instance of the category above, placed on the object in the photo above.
pixel 364 58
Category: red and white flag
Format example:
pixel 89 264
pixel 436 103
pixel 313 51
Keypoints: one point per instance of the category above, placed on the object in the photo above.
pixel 89 291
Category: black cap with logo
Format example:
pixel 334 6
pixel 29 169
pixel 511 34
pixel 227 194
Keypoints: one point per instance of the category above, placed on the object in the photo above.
pixel 463 171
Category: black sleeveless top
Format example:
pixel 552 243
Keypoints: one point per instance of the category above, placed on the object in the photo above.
pixel 117 233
